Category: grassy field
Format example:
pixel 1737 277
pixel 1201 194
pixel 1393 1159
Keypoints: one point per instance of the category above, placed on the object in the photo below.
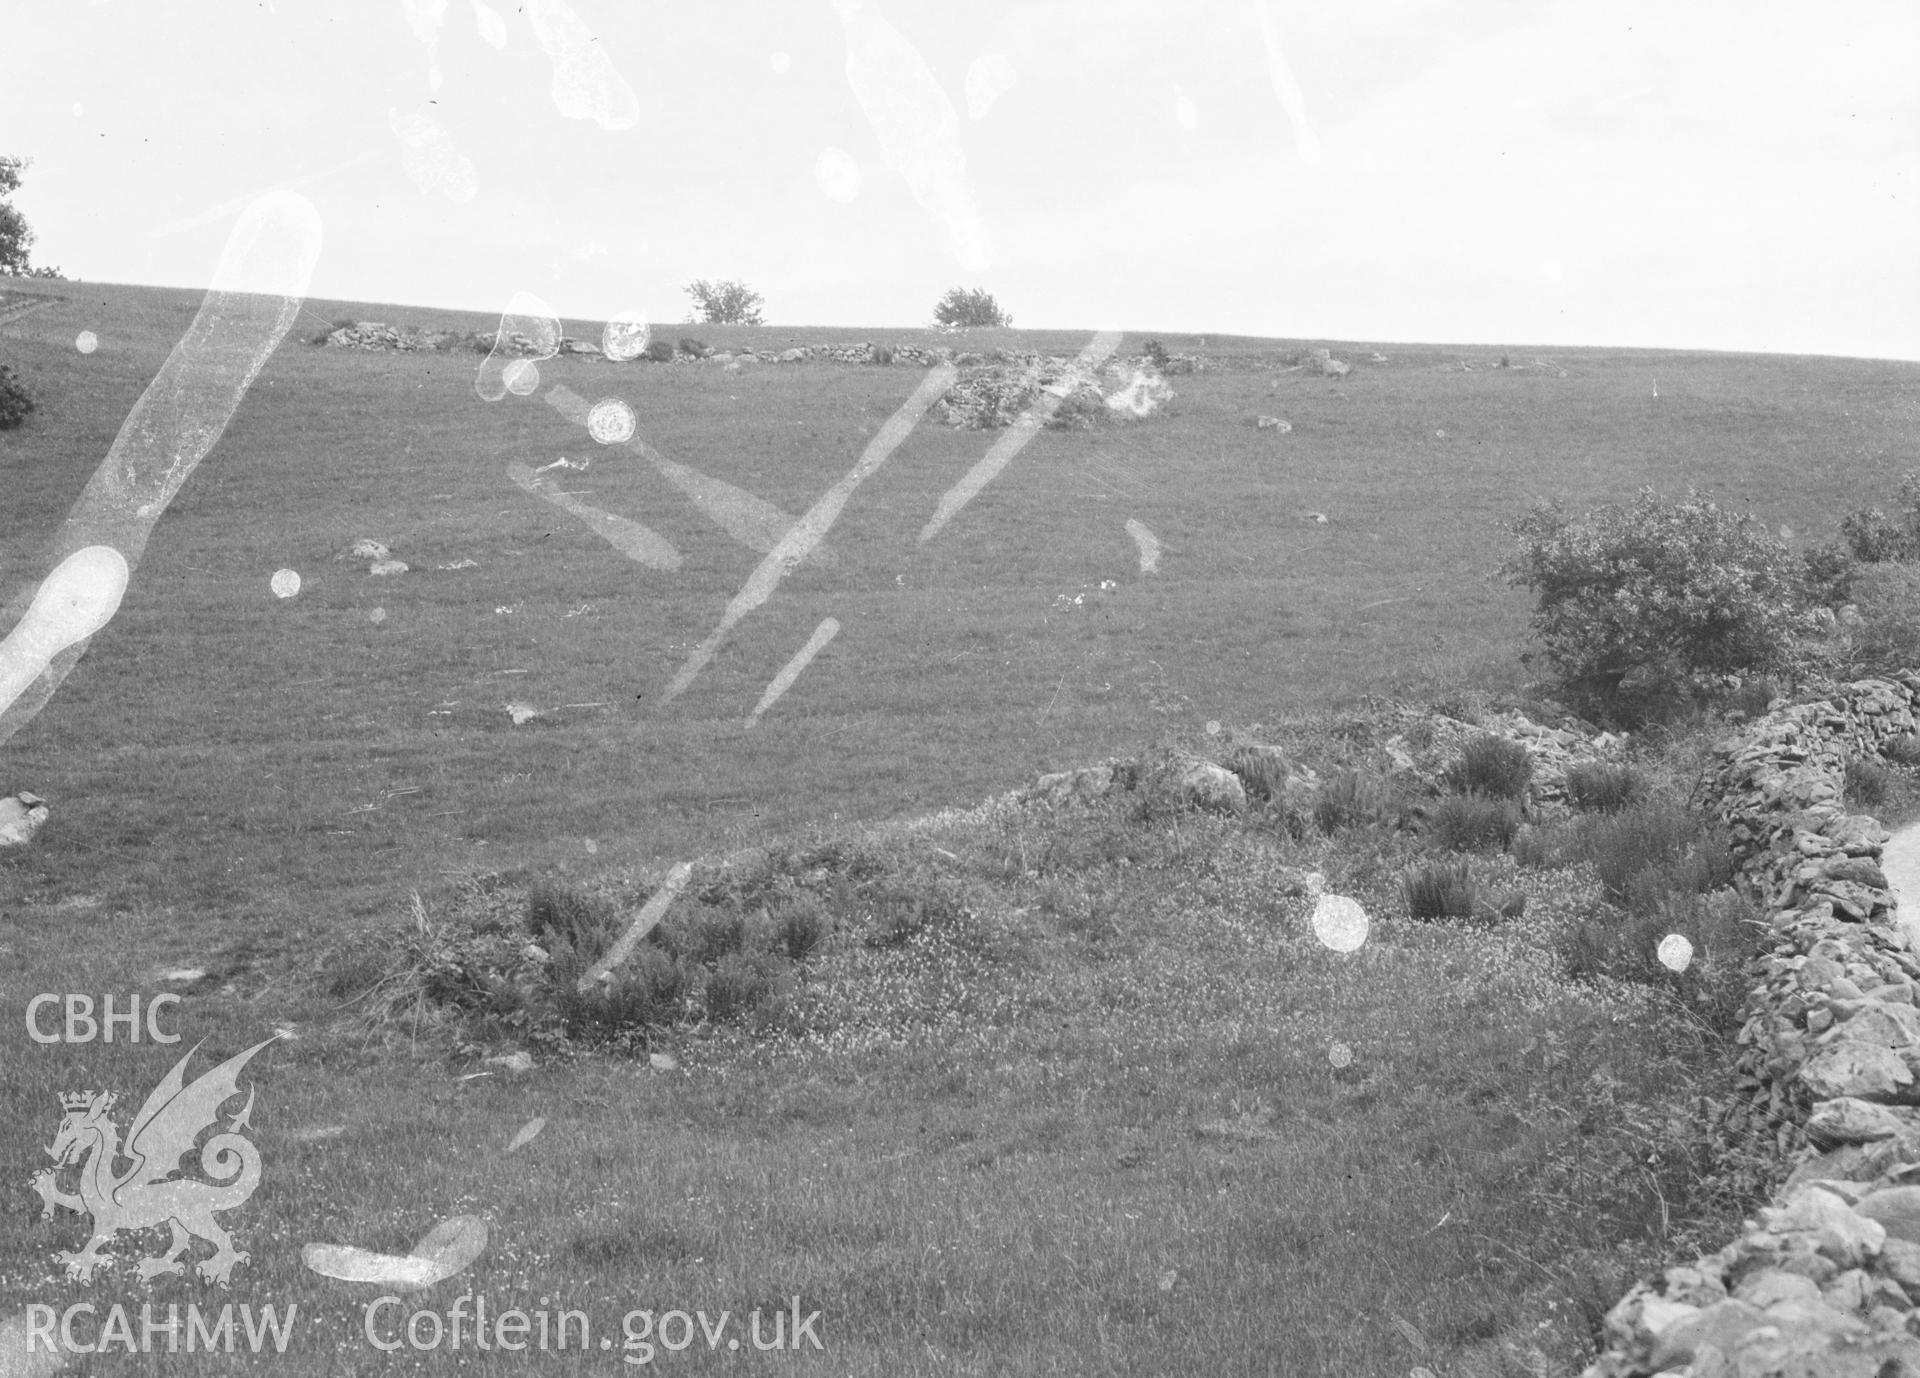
pixel 237 780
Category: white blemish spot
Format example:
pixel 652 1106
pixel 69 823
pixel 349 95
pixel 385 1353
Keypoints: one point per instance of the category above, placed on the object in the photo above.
pixel 86 342
pixel 837 175
pixel 1340 1055
pixel 521 376
pixel 377 616
pixel 1339 922
pixel 1213 727
pixel 625 336
pixel 285 583
pixel 1675 952
pixel 611 422
pixel 1148 543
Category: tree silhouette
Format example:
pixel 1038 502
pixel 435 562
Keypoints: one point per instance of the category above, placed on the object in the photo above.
pixel 726 303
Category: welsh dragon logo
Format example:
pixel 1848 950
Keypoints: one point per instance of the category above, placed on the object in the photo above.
pixel 149 1192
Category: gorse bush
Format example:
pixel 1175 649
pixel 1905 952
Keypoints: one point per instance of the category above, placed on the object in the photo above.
pixel 1493 766
pixel 1440 890
pixel 693 348
pixel 1643 604
pixel 1598 787
pixel 1469 823
pixel 15 404
pixel 659 351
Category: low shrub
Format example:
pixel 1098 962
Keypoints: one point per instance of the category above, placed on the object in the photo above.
pixel 1598 787
pixel 747 987
pixel 15 404
pixel 1492 766
pixel 1349 798
pixel 658 351
pixel 1887 636
pixel 1827 573
pixel 1652 604
pixel 1649 850
pixel 1872 537
pixel 1867 784
pixel 1264 773
pixel 881 354
pixel 1440 890
pixel 1532 849
pixel 1723 930
pixel 800 927
pixel 1903 751
pixel 1466 822
pixel 693 348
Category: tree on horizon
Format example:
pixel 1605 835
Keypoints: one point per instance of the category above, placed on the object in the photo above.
pixel 16 236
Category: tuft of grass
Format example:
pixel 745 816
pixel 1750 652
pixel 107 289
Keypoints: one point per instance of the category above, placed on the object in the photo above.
pixel 1867 784
pixel 658 351
pixel 1903 751
pixel 1469 823
pixel 1492 766
pixel 1440 890
pixel 693 348
pixel 1263 772
pixel 1601 788
pixel 1348 798
pixel 1648 851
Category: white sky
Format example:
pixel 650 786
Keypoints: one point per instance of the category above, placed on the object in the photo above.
pixel 1710 175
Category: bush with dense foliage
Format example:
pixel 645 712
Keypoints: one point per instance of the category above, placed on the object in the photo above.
pixel 1469 822
pixel 1493 766
pixel 962 308
pixel 1886 636
pixel 726 302
pixel 1874 538
pixel 1646 604
pixel 15 404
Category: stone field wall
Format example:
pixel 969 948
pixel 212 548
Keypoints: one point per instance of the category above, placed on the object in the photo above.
pixel 1826 1281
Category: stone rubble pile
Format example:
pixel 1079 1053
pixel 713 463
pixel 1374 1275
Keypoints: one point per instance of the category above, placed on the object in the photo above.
pixel 1553 751
pixel 1827 1280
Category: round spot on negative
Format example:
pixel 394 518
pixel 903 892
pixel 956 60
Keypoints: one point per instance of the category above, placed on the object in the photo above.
pixel 625 336
pixel 377 616
pixel 521 376
pixel 285 583
pixel 1340 1055
pixel 1339 923
pixel 837 175
pixel 1675 952
pixel 611 421
pixel 86 342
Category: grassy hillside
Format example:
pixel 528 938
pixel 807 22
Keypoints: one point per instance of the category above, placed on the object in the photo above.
pixel 1124 1111
pixel 235 751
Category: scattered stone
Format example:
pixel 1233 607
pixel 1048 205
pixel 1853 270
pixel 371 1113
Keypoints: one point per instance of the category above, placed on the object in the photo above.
pixel 1204 784
pixel 387 567
pixel 1273 423
pixel 364 549
pixel 20 818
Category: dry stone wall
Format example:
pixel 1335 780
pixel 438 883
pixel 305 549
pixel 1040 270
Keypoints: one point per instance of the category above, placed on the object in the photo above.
pixel 1826 1281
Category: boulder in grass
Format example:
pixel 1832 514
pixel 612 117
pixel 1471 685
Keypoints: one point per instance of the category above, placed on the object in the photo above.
pixel 364 549
pixel 387 567
pixel 1273 423
pixel 20 817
